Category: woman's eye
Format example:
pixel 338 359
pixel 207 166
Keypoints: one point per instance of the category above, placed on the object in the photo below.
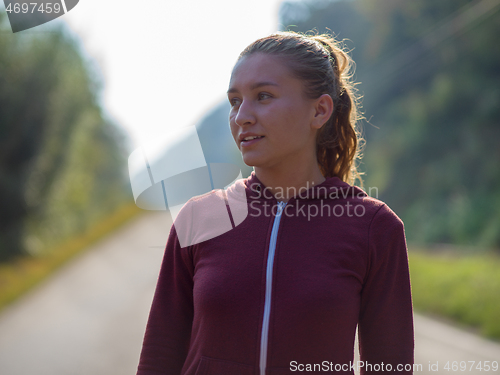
pixel 234 101
pixel 264 96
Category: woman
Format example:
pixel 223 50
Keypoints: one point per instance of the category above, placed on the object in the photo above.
pixel 284 290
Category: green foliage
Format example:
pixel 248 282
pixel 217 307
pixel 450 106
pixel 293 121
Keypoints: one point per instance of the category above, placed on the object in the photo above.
pixel 465 288
pixel 430 77
pixel 62 163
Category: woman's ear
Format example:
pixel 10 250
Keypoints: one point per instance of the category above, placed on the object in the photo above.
pixel 323 111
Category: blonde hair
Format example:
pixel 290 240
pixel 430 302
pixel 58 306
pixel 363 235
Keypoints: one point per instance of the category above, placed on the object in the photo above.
pixel 326 68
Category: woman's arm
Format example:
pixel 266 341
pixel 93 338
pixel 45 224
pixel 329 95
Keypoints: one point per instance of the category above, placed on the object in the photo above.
pixel 168 330
pixel 386 318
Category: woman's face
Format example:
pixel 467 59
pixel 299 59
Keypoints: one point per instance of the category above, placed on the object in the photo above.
pixel 267 102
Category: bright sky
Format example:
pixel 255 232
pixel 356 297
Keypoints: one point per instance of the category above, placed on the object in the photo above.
pixel 165 63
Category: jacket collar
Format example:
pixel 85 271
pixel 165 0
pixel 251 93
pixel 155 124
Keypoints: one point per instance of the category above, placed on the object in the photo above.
pixel 331 188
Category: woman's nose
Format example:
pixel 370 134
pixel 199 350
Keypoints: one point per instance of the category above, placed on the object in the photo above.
pixel 245 114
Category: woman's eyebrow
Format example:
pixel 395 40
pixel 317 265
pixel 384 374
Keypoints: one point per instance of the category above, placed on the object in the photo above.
pixel 254 86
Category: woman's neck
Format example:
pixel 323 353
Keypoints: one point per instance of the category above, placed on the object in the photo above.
pixel 284 183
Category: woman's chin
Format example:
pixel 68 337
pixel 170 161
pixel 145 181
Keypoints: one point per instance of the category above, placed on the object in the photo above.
pixel 251 160
pixel 249 163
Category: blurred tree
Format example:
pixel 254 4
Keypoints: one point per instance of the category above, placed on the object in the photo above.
pixel 61 162
pixel 430 74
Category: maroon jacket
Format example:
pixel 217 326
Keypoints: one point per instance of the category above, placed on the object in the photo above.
pixel 283 293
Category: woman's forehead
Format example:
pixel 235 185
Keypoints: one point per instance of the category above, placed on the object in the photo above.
pixel 256 61
pixel 259 67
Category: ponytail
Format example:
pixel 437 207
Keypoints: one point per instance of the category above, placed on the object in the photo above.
pixel 338 141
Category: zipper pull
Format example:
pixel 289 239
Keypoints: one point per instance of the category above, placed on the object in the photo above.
pixel 281 205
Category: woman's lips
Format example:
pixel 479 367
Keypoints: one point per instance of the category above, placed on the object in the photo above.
pixel 250 142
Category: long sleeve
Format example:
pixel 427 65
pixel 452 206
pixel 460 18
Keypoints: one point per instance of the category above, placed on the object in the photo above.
pixel 168 330
pixel 386 317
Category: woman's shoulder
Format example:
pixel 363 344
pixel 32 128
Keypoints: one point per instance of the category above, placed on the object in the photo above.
pixel 386 231
pixel 375 208
pixel 379 208
pixel 382 220
pixel 209 215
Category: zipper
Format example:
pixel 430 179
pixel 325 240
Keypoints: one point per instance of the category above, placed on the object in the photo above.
pixel 269 283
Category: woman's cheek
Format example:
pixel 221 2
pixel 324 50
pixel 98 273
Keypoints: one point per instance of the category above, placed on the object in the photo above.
pixel 233 127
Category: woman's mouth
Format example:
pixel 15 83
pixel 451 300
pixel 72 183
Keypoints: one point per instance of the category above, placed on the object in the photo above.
pixel 248 141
